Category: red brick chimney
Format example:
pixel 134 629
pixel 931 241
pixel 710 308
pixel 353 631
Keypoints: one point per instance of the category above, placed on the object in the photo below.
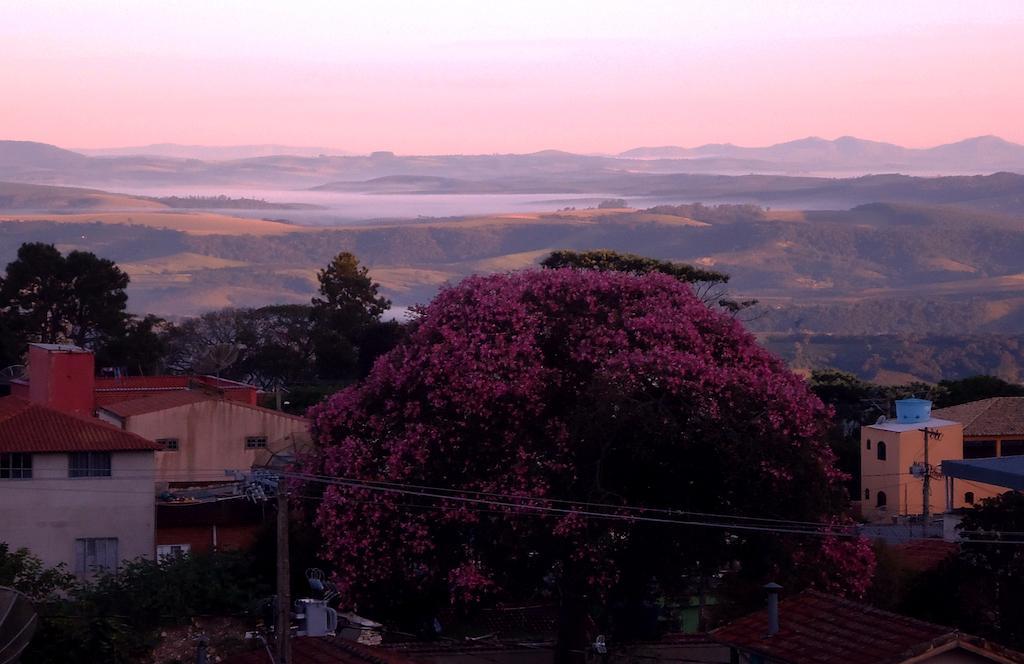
pixel 62 377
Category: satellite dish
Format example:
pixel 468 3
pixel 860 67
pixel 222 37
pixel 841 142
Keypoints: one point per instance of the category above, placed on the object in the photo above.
pixel 217 358
pixel 18 620
pixel 882 419
pixel 13 372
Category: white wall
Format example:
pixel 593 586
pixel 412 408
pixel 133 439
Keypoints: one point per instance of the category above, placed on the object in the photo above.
pixel 48 512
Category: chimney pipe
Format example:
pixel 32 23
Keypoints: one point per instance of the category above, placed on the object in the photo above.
pixel 773 608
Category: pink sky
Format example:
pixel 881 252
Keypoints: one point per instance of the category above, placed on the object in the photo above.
pixel 479 77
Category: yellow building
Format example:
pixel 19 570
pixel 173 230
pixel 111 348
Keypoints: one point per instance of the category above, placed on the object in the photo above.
pixel 893 463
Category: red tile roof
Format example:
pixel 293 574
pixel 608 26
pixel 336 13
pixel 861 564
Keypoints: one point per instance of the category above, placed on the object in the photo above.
pixel 815 627
pixel 31 427
pixel 997 416
pixel 924 554
pixel 326 650
pixel 157 402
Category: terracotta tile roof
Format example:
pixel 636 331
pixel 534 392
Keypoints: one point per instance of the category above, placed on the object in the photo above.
pixel 31 427
pixel 998 416
pixel 815 627
pixel 166 383
pixel 924 554
pixel 535 621
pixel 326 650
pixel 157 402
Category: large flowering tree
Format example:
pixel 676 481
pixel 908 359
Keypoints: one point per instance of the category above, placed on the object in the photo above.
pixel 584 387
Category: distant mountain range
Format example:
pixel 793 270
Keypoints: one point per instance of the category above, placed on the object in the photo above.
pixel 210 152
pixel 548 171
pixel 979 154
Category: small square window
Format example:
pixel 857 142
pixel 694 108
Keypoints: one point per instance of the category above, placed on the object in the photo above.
pixel 168 444
pixel 255 442
pixel 89 464
pixel 15 466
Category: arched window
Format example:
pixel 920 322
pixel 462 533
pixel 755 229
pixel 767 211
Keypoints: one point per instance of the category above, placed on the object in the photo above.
pixel 969 497
pixel 880 499
pixel 881 450
pixel 869 443
pixel 867 494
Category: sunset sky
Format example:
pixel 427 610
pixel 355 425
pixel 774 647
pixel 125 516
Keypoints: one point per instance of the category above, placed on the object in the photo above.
pixel 481 77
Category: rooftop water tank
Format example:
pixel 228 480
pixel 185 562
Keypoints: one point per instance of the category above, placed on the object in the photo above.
pixel 909 411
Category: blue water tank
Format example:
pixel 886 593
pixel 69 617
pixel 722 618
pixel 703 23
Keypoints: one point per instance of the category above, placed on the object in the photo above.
pixel 909 411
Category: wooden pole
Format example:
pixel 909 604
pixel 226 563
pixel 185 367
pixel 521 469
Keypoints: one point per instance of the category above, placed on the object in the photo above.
pixel 282 641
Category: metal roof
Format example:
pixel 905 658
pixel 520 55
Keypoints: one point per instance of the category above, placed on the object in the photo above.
pixel 1000 471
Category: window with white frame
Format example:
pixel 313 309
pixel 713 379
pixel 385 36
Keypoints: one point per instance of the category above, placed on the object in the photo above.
pixel 15 466
pixel 255 442
pixel 95 554
pixel 89 464
pixel 172 550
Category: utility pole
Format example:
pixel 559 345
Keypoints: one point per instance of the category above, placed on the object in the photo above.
pixel 926 487
pixel 282 641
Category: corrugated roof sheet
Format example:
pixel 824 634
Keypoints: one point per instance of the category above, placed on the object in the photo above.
pixel 997 416
pixel 815 627
pixel 31 427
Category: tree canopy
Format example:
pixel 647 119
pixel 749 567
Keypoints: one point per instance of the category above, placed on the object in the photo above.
pixel 347 306
pixel 584 387
pixel 51 298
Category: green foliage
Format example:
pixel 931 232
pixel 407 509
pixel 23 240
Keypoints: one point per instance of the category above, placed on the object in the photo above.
pixel 955 392
pixel 612 204
pixel 50 298
pixel 981 590
pixel 140 349
pixel 116 617
pixel 605 259
pixel 348 304
pixel 21 570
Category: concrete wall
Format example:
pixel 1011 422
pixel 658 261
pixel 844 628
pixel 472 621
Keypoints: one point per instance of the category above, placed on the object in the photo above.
pixel 48 512
pixel 904 493
pixel 211 438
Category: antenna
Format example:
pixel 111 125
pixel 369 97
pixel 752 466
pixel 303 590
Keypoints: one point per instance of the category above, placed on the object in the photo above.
pixel 18 620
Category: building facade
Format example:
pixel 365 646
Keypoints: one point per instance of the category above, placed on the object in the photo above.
pixel 201 434
pixel 74 490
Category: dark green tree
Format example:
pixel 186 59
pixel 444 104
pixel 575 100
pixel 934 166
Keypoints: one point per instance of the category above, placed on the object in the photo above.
pixel 50 298
pixel 955 392
pixel 349 303
pixel 707 284
pixel 140 349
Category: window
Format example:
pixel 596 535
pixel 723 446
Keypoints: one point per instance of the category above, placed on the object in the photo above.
pixel 169 444
pixel 95 554
pixel 880 448
pixel 880 499
pixel 1012 448
pixel 979 449
pixel 89 464
pixel 255 442
pixel 869 443
pixel 969 497
pixel 867 494
pixel 172 550
pixel 15 466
